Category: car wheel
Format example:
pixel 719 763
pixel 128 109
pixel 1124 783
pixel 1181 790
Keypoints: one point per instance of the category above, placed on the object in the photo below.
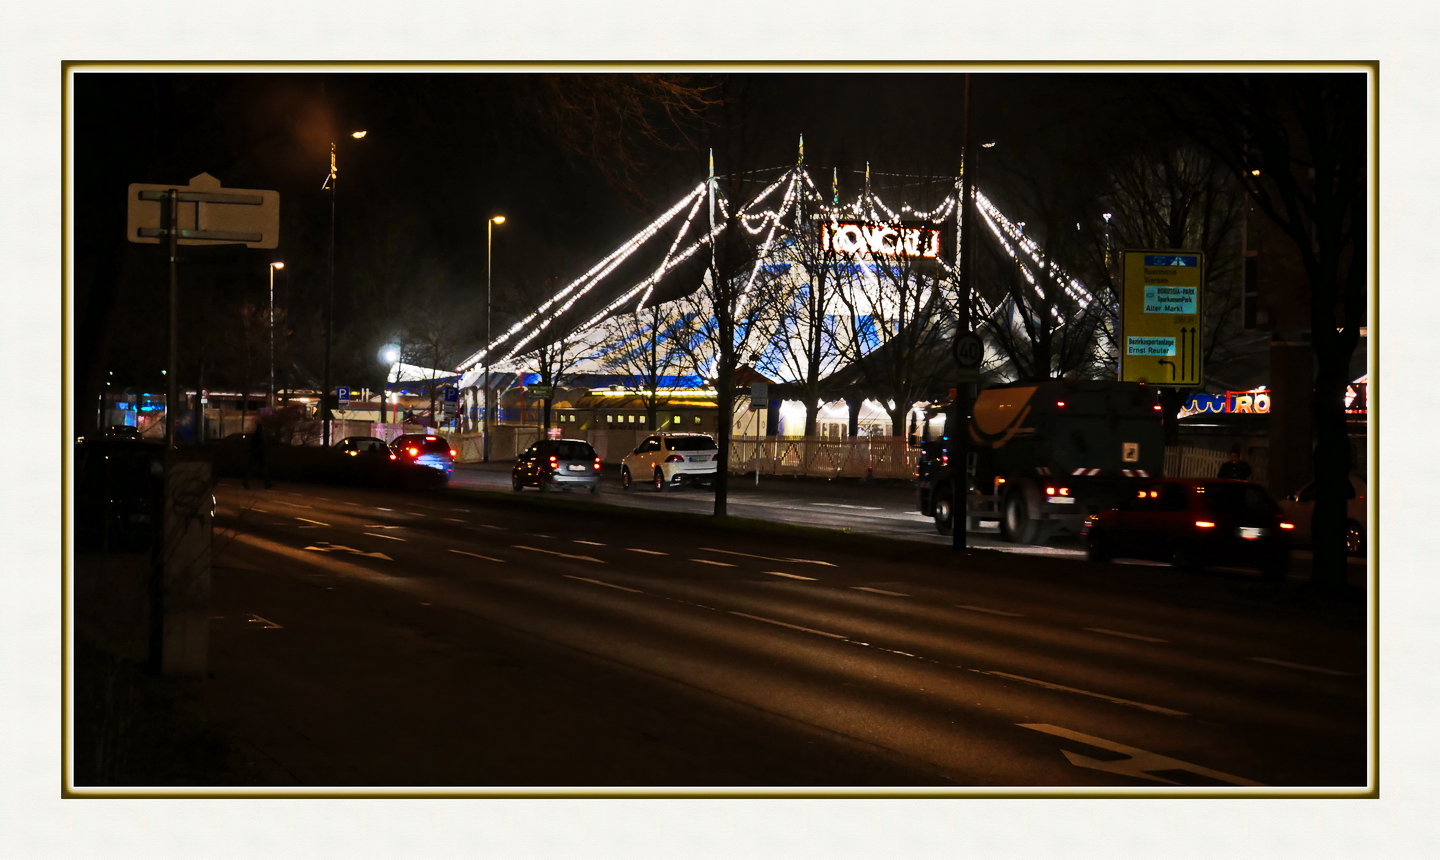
pixel 944 514
pixel 659 481
pixel 1098 547
pixel 1354 538
pixel 624 478
pixel 1016 525
pixel 544 483
pixel 594 488
pixel 515 482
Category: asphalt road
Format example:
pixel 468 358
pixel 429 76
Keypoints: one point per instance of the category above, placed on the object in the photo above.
pixel 363 638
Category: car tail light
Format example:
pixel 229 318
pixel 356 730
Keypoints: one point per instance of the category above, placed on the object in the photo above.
pixel 1059 404
pixel 432 438
pixel 1049 491
pixel 393 457
pixel 453 453
pixel 1204 524
pixel 1157 407
pixel 413 452
pixel 1057 491
pixel 554 463
pixel 1287 525
pixel 675 458
pixel 597 464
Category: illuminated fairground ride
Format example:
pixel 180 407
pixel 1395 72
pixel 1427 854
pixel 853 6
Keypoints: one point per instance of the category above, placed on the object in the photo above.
pixel 661 273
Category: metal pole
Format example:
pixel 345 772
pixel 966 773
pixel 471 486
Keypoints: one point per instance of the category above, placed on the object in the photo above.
pixel 271 399
pixel 172 386
pixel 955 424
pixel 485 430
pixel 329 314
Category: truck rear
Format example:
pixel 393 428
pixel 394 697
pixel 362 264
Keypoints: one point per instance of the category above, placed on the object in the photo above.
pixel 1042 456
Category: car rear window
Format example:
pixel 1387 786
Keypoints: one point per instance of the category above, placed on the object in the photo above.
pixel 691 443
pixel 1239 499
pixel 566 450
pixel 434 445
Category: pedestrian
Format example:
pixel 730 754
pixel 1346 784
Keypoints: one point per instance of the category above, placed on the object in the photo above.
pixel 1235 468
pixel 257 465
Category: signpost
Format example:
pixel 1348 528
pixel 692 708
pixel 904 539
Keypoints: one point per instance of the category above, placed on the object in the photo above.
pixel 449 402
pixel 1161 315
pixel 968 351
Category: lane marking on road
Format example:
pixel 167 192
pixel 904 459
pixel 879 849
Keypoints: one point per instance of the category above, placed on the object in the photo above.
pixel 590 542
pixel 791 626
pixel 477 555
pixel 542 537
pixel 1114 699
pixel 847 507
pixel 458 510
pixel 764 557
pixel 387 537
pixel 494 528
pixel 298 505
pixel 989 611
pixel 385 509
pixel 330 547
pixel 878 591
pixel 647 551
pixel 789 575
pixel 561 554
pixel 263 622
pixel 606 584
pixel 1126 635
pixel 1137 762
pixel 316 522
pixel 708 561
pixel 1301 666
pixel 452 519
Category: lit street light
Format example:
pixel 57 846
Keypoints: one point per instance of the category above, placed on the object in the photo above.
pixel 489 237
pixel 330 299
pixel 390 353
pixel 273 267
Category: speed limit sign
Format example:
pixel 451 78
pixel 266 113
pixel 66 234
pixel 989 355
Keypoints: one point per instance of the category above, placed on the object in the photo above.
pixel 968 351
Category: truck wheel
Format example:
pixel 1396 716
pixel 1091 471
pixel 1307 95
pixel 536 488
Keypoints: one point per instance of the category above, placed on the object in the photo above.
pixel 1016 524
pixel 944 512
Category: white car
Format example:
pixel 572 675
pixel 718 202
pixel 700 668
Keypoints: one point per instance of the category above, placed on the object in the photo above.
pixel 665 460
pixel 1299 507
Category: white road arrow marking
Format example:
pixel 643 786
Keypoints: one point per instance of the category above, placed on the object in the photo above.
pixel 1137 763
pixel 330 547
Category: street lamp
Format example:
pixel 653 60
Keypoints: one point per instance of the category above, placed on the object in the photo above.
pixel 330 299
pixel 273 267
pixel 489 238
pixel 391 354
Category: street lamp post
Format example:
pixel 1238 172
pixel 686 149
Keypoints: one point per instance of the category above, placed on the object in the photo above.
pixel 489 238
pixel 273 267
pixel 330 182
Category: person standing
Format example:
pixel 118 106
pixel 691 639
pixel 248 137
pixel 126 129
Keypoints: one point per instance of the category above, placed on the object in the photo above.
pixel 258 465
pixel 1235 468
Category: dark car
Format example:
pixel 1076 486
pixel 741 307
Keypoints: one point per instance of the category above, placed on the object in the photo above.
pixel 357 446
pixel 424 449
pixel 119 487
pixel 1192 523
pixel 557 464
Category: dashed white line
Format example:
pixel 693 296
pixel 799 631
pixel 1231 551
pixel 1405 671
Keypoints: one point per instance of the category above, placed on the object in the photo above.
pixel 606 584
pixel 783 624
pixel 1301 666
pixel 878 591
pixel 764 557
pixel 561 554
pixel 477 555
pixel 452 519
pixel 387 537
pixel 789 575
pixel 316 522
pixel 1126 635
pixel 1156 708
pixel 590 542
pixel 989 611
pixel 647 551
pixel 708 561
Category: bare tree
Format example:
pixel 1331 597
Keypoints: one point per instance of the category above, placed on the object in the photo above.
pixel 643 347
pixel 1298 143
